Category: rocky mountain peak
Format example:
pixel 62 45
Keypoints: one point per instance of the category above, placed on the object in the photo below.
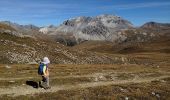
pixel 102 27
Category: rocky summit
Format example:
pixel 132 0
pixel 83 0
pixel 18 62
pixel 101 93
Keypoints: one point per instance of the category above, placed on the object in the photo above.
pixel 102 27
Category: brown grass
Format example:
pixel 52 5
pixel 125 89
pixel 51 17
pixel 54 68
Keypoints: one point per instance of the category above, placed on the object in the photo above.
pixel 65 74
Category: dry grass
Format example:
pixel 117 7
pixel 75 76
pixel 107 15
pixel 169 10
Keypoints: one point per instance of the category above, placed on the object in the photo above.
pixel 145 91
pixel 76 74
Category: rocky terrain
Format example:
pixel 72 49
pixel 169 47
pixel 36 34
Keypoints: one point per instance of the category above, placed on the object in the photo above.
pixel 76 30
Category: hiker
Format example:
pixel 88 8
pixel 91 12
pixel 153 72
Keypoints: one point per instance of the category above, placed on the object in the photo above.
pixel 43 70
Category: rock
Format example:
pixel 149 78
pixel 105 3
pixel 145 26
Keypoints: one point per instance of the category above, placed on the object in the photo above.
pixel 7 66
pixel 153 93
pixel 163 81
pixel 157 95
pixel 123 90
pixel 12 81
pixel 126 98
pixel 101 77
pixel 96 79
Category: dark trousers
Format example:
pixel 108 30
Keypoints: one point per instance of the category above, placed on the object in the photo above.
pixel 45 80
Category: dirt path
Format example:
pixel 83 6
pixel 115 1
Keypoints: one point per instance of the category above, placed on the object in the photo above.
pixel 70 76
pixel 24 90
pixel 76 76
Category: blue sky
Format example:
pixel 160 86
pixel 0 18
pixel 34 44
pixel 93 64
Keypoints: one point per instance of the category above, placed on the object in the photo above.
pixel 46 12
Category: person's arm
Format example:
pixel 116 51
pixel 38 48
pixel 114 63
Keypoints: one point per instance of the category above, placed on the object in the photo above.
pixel 47 71
pixel 44 70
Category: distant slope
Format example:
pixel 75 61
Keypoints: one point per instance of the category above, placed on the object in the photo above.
pixel 30 30
pixel 159 45
pixel 161 29
pixel 95 46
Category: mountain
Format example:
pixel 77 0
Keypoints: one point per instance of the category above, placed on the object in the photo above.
pixel 76 30
pixel 161 29
pixel 22 29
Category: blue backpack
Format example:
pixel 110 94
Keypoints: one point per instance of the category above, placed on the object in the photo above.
pixel 40 69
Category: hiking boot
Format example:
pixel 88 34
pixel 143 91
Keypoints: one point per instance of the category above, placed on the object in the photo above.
pixel 48 87
pixel 40 84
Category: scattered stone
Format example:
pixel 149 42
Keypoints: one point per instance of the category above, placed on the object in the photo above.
pixel 153 93
pixel 126 98
pixel 163 81
pixel 123 90
pixel 7 66
pixel 101 77
pixel 157 95
pixel 12 81
pixel 96 79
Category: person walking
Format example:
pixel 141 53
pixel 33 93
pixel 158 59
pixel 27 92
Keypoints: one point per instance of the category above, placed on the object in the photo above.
pixel 43 70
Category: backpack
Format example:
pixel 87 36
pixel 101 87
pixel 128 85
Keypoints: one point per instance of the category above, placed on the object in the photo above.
pixel 40 69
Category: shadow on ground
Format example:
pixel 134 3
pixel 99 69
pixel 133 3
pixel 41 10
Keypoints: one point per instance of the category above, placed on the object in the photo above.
pixel 32 83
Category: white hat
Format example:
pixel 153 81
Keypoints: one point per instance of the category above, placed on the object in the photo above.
pixel 46 60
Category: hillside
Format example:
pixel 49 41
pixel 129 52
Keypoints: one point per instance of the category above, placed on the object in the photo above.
pixel 22 29
pixel 16 49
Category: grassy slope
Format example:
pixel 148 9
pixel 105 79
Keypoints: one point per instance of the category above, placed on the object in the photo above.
pixel 161 45
pixel 155 51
